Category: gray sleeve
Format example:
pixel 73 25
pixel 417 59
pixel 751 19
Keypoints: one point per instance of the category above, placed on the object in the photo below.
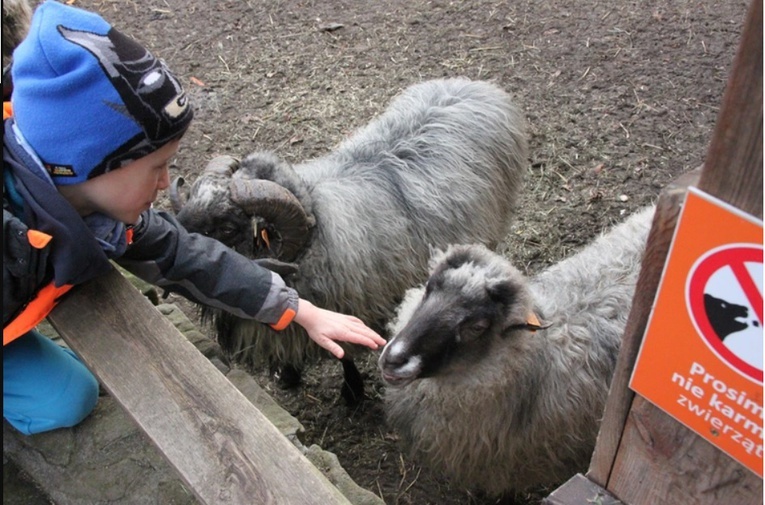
pixel 206 271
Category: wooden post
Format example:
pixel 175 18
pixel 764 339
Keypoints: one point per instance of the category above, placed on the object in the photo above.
pixel 642 455
pixel 733 168
pixel 224 449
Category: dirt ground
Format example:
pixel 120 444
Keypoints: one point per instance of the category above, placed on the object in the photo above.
pixel 621 97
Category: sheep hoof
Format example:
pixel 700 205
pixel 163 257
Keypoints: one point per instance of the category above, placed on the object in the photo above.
pixel 288 376
pixel 352 390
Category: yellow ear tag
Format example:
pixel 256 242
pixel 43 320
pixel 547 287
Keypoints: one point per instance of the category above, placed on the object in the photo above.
pixel 533 324
pixel 264 236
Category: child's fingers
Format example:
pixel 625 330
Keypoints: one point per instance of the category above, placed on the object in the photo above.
pixel 332 347
pixel 336 350
pixel 361 335
pixel 366 332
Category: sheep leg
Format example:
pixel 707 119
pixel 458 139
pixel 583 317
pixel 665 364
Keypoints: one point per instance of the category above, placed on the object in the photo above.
pixel 352 390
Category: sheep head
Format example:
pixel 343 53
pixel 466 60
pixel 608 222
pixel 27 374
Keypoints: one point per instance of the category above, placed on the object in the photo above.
pixel 472 302
pixel 245 207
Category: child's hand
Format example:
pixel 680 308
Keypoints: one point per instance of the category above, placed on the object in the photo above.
pixel 325 327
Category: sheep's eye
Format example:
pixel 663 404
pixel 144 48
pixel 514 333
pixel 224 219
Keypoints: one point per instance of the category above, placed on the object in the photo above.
pixel 226 231
pixel 471 330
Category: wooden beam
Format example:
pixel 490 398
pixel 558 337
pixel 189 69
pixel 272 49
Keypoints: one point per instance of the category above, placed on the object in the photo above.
pixel 733 169
pixel 579 490
pixel 224 449
pixel 662 461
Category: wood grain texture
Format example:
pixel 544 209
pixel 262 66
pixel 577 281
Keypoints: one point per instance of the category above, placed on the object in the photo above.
pixel 225 450
pixel 733 170
pixel 661 461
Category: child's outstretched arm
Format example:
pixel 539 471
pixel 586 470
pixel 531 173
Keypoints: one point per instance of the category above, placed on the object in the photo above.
pixel 325 327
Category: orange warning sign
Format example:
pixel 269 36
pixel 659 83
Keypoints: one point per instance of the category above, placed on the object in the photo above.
pixel 702 355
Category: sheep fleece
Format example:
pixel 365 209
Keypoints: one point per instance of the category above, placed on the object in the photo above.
pixel 529 413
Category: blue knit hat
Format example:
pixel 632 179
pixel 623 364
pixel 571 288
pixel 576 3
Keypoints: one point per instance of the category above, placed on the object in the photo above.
pixel 89 99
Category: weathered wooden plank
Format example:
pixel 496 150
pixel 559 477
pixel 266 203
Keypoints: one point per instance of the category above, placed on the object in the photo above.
pixel 661 461
pixel 620 396
pixel 579 490
pixel 733 170
pixel 225 450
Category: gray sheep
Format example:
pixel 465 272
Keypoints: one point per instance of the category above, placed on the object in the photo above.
pixel 500 382
pixel 443 164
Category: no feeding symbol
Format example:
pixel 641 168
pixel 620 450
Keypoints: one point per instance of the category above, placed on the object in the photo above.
pixel 702 353
pixel 725 302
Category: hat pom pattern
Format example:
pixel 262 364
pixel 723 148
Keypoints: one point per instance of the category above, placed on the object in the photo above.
pixel 89 99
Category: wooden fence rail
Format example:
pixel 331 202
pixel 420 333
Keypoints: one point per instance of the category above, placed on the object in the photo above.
pixel 222 446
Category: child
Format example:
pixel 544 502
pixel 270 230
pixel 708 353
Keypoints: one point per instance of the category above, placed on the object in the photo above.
pixel 95 121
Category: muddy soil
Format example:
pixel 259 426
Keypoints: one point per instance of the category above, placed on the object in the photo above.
pixel 620 97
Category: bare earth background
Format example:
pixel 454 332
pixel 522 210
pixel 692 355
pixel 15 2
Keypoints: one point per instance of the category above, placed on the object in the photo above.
pixel 621 97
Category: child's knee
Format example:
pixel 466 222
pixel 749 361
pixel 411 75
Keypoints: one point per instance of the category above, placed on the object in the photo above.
pixel 68 409
pixel 78 400
pixel 45 386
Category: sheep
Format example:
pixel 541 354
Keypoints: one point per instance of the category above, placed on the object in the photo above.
pixel 500 382
pixel 444 163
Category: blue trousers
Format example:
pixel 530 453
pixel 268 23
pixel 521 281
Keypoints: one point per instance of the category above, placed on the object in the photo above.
pixel 45 386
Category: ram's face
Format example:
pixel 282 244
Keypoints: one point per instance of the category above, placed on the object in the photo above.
pixel 459 318
pixel 209 211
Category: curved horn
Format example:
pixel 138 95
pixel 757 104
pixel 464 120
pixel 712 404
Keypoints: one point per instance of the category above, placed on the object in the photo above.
pixel 176 200
pixel 278 205
pixel 221 165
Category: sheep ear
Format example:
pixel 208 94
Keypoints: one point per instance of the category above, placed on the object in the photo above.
pixel 517 299
pixel 529 325
pixel 502 291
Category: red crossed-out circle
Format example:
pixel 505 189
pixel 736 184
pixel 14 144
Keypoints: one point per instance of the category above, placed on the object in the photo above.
pixel 734 256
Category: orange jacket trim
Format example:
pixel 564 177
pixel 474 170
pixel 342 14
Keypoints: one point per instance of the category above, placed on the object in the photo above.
pixel 285 320
pixel 7 110
pixel 41 305
pixel 38 239
pixel 35 311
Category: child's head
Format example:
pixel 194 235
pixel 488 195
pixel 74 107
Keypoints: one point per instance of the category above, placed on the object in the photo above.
pixel 89 99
